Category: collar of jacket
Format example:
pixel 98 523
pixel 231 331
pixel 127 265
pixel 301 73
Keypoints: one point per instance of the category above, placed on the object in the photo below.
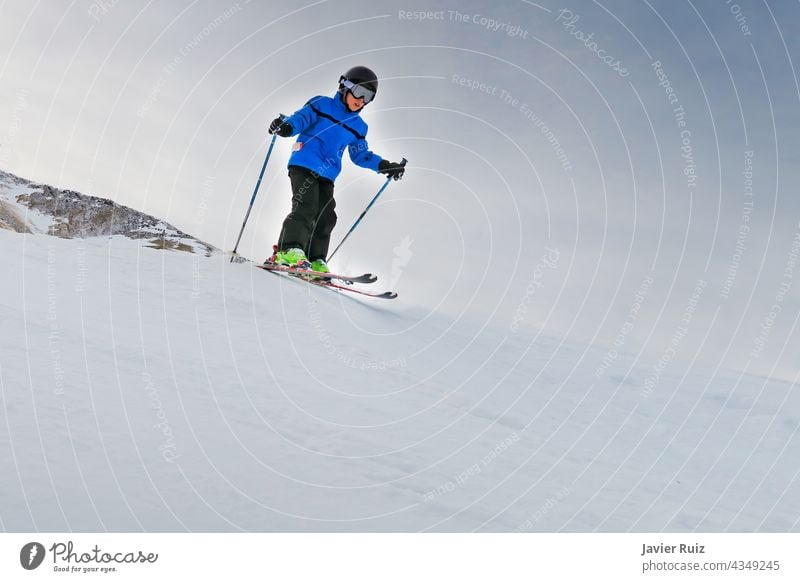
pixel 342 121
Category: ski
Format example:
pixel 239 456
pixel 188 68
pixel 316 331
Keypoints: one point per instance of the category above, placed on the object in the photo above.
pixel 365 278
pixel 329 285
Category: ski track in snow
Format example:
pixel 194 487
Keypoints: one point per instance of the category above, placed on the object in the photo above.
pixel 165 391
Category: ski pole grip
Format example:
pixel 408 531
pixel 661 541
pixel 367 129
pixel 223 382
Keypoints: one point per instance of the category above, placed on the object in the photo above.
pixel 282 118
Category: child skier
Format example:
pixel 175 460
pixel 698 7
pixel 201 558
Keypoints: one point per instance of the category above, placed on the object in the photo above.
pixel 326 125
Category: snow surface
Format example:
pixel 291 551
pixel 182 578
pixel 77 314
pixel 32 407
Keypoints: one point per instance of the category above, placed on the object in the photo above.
pixel 145 390
pixel 12 187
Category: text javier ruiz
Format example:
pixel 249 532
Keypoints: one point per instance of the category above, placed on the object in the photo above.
pixel 673 549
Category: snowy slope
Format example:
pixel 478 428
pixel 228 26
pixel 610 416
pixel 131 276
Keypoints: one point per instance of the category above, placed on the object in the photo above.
pixel 163 391
pixel 13 214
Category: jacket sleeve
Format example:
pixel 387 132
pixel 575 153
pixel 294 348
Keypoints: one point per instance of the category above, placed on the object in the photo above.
pixel 362 156
pixel 302 119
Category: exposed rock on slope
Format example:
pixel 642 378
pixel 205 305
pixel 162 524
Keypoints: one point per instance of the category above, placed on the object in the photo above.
pixel 34 208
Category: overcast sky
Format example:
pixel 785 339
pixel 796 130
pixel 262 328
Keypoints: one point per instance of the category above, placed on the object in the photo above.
pixel 609 171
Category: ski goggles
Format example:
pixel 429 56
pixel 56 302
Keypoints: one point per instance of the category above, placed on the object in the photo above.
pixel 359 91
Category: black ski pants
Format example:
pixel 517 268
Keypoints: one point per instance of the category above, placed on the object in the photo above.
pixel 309 224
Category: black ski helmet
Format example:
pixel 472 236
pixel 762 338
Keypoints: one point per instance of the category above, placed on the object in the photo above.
pixel 359 75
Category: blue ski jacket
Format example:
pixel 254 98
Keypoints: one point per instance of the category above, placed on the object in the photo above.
pixel 326 127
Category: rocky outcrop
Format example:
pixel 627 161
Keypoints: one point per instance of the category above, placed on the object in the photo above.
pixel 29 207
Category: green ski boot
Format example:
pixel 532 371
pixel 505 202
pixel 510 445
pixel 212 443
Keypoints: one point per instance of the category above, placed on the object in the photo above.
pixel 294 258
pixel 320 266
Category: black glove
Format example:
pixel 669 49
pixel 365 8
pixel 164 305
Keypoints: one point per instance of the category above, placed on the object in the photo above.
pixel 392 169
pixel 281 127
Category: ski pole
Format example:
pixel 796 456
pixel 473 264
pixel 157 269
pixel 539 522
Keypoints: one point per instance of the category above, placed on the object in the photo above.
pixel 253 199
pixel 355 224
